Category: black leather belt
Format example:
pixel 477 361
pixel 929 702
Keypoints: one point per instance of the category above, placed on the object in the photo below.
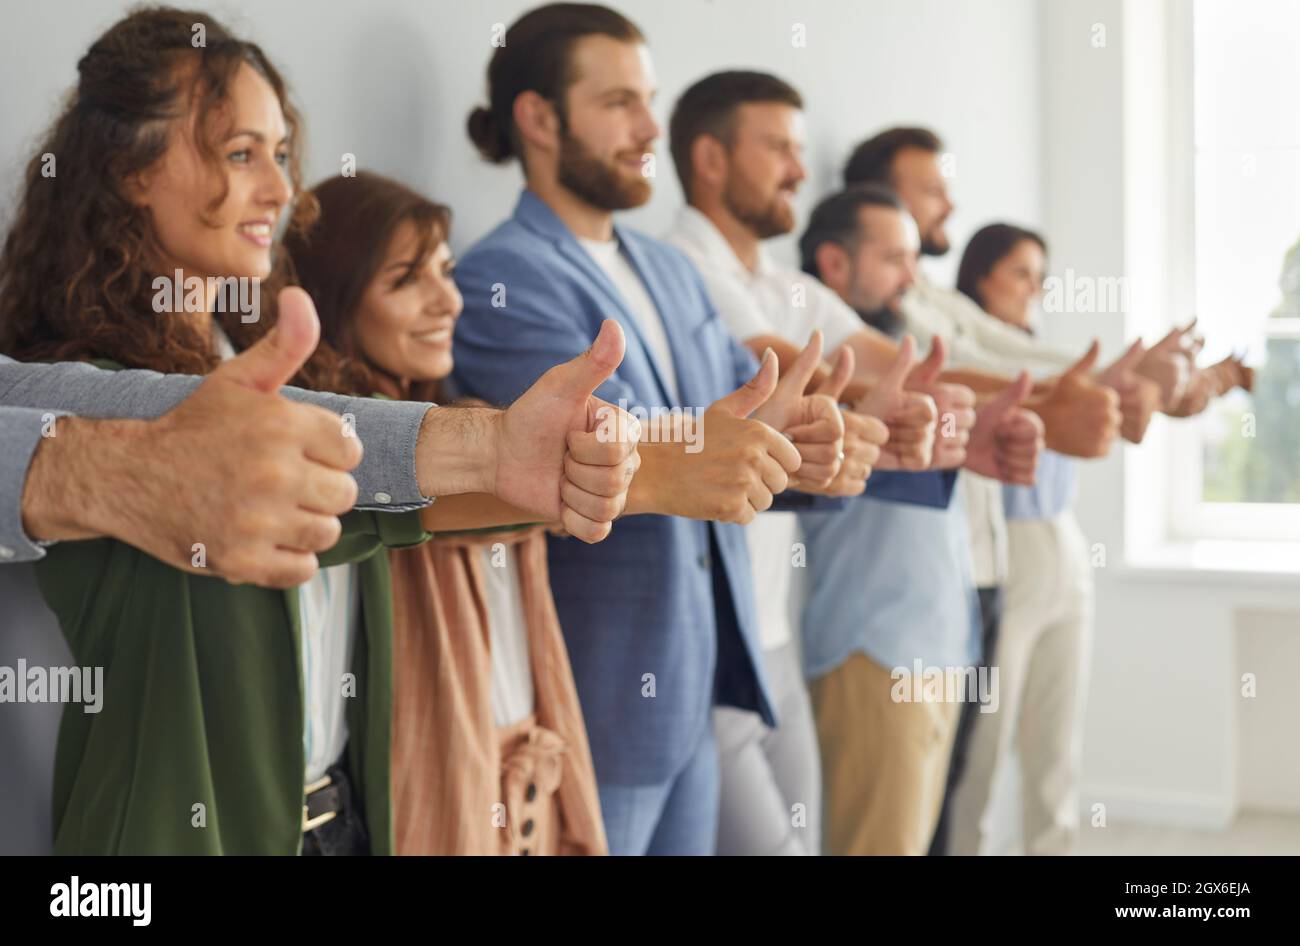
pixel 326 798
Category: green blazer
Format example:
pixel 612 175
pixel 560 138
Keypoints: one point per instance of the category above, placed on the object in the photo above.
pixel 203 700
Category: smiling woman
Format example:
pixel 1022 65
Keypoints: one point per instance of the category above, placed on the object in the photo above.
pixel 178 163
pixel 171 158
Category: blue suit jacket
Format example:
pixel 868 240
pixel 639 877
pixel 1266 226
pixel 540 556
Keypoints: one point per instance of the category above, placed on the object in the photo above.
pixel 662 595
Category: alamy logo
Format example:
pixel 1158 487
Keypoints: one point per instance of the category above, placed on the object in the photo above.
pixel 242 294
pixel 24 684
pixel 922 684
pixel 656 425
pixel 78 899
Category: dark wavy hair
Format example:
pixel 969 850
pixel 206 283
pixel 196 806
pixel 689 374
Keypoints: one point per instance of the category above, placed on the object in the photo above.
pixel 74 272
pixel 338 256
pixel 988 247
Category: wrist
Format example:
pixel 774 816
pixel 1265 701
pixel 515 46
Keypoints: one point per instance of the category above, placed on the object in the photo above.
pixel 79 482
pixel 458 450
pixel 643 492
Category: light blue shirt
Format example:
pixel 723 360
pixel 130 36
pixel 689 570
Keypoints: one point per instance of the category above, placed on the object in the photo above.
pixel 890 580
pixel 1052 493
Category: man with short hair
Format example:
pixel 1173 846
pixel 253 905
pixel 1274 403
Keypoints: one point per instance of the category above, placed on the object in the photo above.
pixel 906 159
pixel 737 144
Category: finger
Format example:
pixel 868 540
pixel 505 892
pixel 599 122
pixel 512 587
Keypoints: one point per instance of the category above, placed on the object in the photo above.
pixel 927 371
pixel 896 376
pixel 800 373
pixel 306 531
pixel 759 497
pixel 610 423
pixel 782 451
pixel 284 568
pixel 582 375
pixel 328 492
pixel 773 475
pixel 1085 364
pixel 591 506
pixel 268 364
pixel 326 437
pixel 600 480
pixel 871 429
pixel 597 449
pixel 841 373
pixel 582 528
pixel 750 396
pixel 904 435
pixel 1130 359
pixel 822 430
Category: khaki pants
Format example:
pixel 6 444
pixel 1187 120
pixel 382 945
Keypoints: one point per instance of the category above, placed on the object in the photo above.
pixel 884 764
pixel 1043 650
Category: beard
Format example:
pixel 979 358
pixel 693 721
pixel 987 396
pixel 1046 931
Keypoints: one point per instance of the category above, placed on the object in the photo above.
pixel 884 319
pixel 769 219
pixel 935 242
pixel 598 182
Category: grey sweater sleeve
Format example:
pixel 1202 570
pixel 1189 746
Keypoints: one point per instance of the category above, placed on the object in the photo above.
pixel 21 429
pixel 388 430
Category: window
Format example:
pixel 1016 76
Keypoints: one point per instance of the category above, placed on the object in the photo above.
pixel 1237 468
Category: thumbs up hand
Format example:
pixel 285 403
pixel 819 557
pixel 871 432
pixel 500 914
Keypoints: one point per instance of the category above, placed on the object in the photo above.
pixel 1139 396
pixel 812 422
pixel 1080 416
pixel 1007 439
pixel 910 415
pixel 953 403
pixel 564 454
pixel 256 480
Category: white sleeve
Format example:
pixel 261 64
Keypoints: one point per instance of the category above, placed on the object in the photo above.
pixel 832 315
pixel 742 316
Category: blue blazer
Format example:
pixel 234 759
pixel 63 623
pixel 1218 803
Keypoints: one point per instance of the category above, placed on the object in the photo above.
pixel 659 618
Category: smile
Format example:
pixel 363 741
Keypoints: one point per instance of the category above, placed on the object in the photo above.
pixel 257 233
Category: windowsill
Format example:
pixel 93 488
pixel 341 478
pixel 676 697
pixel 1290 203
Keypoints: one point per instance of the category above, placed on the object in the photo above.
pixel 1270 564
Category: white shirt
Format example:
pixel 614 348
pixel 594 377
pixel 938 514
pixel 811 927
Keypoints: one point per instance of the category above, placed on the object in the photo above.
pixel 609 256
pixel 980 341
pixel 512 670
pixel 770 300
pixel 329 606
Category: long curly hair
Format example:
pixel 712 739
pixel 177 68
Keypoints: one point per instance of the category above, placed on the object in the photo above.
pixel 75 280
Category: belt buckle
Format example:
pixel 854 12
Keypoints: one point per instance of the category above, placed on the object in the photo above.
pixel 309 824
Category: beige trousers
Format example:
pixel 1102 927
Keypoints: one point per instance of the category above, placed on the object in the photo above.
pixel 1042 657
pixel 884 763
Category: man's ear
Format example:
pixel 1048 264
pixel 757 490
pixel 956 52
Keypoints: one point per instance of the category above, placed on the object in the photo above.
pixel 536 120
pixel 832 265
pixel 709 161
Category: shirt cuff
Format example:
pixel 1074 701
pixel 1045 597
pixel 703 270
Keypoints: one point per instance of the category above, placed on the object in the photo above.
pixel 21 430
pixel 389 430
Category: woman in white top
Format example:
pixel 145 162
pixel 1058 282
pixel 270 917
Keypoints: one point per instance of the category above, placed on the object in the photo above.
pixel 490 754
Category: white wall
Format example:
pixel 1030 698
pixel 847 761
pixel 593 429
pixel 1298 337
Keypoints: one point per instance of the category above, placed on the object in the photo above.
pixel 1169 736
pixel 391 81
pixel 1035 116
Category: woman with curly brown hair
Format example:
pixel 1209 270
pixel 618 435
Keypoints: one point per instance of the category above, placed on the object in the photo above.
pixel 235 719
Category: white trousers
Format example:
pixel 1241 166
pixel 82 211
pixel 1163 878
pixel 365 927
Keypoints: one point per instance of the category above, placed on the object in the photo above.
pixel 1043 652
pixel 771 778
